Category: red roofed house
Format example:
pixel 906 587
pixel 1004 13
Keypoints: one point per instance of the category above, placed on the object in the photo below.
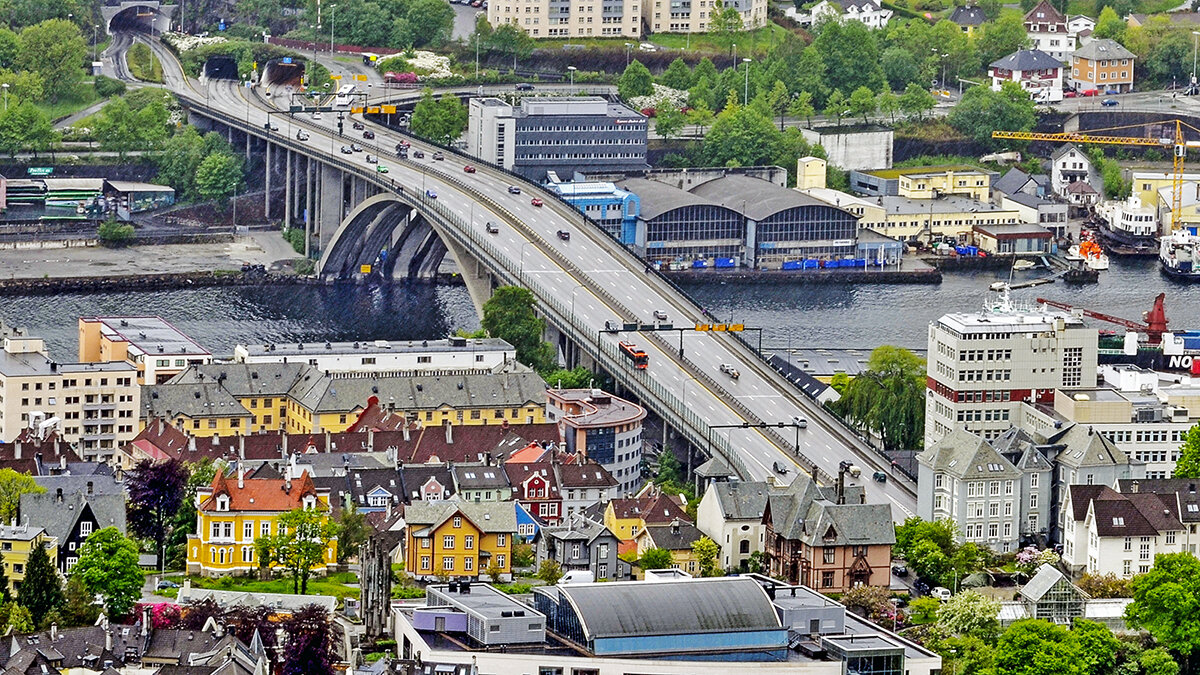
pixel 235 510
pixel 535 485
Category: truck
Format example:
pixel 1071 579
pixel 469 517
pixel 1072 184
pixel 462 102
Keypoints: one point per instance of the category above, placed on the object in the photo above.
pixel 635 354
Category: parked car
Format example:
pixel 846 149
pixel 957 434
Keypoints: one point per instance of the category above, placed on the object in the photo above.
pixel 564 235
pixel 514 190
pixel 535 201
pixel 1109 102
pixel 729 370
pixel 165 584
pixel 439 156
pixel 900 570
pixel 358 126
pixel 941 593
pixel 1111 92
pixel 524 86
pixel 469 169
pixel 431 194
pixel 1070 93
pixel 1090 92
pixel 492 228
pixel 302 135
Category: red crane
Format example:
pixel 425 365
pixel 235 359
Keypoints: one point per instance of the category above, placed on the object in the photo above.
pixel 1154 321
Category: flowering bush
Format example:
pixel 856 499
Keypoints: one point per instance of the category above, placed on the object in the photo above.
pixel 662 96
pixel 182 42
pixel 434 64
pixel 1030 558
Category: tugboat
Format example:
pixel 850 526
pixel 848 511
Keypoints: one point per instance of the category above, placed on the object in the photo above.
pixel 1179 254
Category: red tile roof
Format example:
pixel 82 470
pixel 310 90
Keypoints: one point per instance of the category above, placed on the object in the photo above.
pixel 654 509
pixel 530 453
pixel 21 455
pixel 258 494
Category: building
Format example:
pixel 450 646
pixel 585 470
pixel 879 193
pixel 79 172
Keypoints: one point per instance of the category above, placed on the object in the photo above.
pixel 1046 28
pixel 661 16
pixel 1016 238
pixel 157 349
pixel 459 539
pixel 560 135
pixel 481 482
pixel 1108 532
pixel 854 148
pixel 613 209
pixel 1051 596
pixel 1146 184
pixel 677 537
pixel 1175 18
pixel 16 543
pixel 924 182
pixel 101 648
pixel 968 18
pixel 987 511
pixel 731 514
pixel 547 18
pixel 234 511
pixel 69 518
pixel 94 405
pixel 1189 207
pixel 1081 26
pixel 1069 165
pixel 983 365
pixel 280 603
pixel 1104 65
pixel 579 543
pixel 603 428
pixel 1037 72
pixel 452 356
pixel 235 398
pixel 866 12
pixel 1180 490
pixel 480 614
pixel 628 517
pixel 914 220
pixel 535 486
pixel 827 537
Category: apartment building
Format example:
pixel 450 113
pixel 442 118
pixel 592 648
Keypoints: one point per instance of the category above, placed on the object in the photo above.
pixel 982 365
pixel 95 405
pixel 925 182
pixel 1103 65
pixel 157 349
pixel 1046 28
pixel 1120 533
pixel 459 539
pixel 569 18
pixel 17 542
pixel 604 428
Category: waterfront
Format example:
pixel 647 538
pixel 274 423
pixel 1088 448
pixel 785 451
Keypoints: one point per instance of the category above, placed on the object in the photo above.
pixel 808 315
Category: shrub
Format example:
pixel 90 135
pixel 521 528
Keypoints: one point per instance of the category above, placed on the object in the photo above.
pixel 107 86
pixel 115 235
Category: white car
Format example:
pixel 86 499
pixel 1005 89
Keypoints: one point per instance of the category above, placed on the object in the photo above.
pixel 941 593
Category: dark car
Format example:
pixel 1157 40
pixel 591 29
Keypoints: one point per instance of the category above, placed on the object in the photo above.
pixel 564 235
pixel 431 194
pixel 165 584
pixel 439 156
pixel 418 154
pixel 369 135
pixel 346 150
pixel 492 228
pixel 403 145
pixel 524 86
pixel 1111 92
pixel 358 125
pixel 514 190
pixel 880 477
pixel 1109 102
pixel 468 169
pixel 900 570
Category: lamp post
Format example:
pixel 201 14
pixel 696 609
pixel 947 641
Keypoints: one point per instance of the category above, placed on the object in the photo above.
pixel 746 93
pixel 96 27
pixel 628 50
pixel 735 53
pixel 5 85
pixel 1195 45
pixel 331 10
pixel 571 71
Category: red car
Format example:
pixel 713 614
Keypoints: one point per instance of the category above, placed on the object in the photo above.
pixel 1090 92
pixel 469 169
pixel 535 201
pixel 1069 94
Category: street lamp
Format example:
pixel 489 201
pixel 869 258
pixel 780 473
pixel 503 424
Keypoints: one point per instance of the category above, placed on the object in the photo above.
pixel 331 9
pixel 95 27
pixel 1195 44
pixel 5 85
pixel 571 70
pixel 735 53
pixel 746 94
pixel 628 49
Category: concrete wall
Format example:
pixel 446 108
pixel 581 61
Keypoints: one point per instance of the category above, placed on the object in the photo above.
pixel 854 149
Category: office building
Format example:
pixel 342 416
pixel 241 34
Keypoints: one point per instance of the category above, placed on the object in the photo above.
pixel 157 349
pixel 569 18
pixel 452 356
pixel 604 428
pixel 924 182
pixel 559 135
pixel 613 209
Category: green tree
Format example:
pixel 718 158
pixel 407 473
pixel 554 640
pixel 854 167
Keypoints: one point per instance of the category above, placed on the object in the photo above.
pixel 23 85
pixel 55 50
pixel 79 607
pixel 836 106
pixel 1157 661
pixel 706 552
pixel 802 107
pixel 178 160
pixel 113 234
pixel 871 602
pixel 930 562
pixel 970 613
pixel 850 54
pixel 12 486
pixel 1002 37
pixel 509 38
pixel 916 100
pixel 677 75
pixel 982 111
pixel 1109 26
pixel 10 48
pixel 965 655
pixel 656 559
pixel 1037 647
pixel 351 533
pixel 1104 585
pixel 669 121
pixel 888 398
pixel 756 563
pixel 41 590
pixel 862 102
pixel 899 67
pixel 1097 645
pixel 1166 602
pixel 509 315
pixel 24 127
pixel 725 23
pixel 925 606
pixel 108 565
pixel 218 177
pixel 305 535
pixel 440 120
pixel 635 81
pixel 550 572
pixel 889 104
pixel 430 22
pixel 1188 464
pixel 741 136
pixel 575 378
pixel 700 116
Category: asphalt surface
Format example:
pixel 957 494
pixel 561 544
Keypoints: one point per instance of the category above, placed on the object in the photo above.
pixel 606 267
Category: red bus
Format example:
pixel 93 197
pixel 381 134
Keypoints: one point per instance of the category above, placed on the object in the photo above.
pixel 635 354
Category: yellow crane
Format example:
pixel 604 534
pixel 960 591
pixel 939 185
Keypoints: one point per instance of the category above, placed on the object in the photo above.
pixel 1177 143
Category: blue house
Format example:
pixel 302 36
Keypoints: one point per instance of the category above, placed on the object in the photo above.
pixel 527 525
pixel 616 210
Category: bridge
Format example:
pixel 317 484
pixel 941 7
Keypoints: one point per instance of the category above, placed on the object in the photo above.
pixel 351 211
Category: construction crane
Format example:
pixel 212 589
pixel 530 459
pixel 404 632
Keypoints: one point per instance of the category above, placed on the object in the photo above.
pixel 1178 145
pixel 1154 321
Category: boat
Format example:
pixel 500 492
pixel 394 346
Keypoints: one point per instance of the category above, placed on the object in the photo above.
pixel 1179 254
pixel 1081 275
pixel 1022 265
pixel 1130 224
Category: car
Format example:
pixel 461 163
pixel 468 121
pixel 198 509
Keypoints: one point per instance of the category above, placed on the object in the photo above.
pixel 1090 92
pixel 356 147
pixel 729 370
pixel 381 168
pixel 439 156
pixel 1111 92
pixel 920 586
pixel 492 228
pixel 431 194
pixel 369 135
pixel 358 126
pixel 165 584
pixel 274 127
pixel 941 593
pixel 900 570
pixel 417 154
pixel 477 3
pixel 524 86
pixel 372 159
pixel 564 235
pixel 535 201
pixel 316 115
pixel 661 315
pixel 514 190
pixel 346 150
pixel 469 169
pixel 302 135
pixel 647 47
pixel 1070 93
pixel 800 422
pixel 1109 102
pixel 880 477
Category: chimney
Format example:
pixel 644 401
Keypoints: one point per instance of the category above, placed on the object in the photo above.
pixel 404 430
pixel 17 450
pixel 58 495
pixel 91 488
pixel 371 440
pixel 1133 487
pixel 449 434
pixel 53 632
pixel 62 462
pixel 327 440
pixel 287 480
pixel 241 447
pixel 387 512
pixel 191 443
pixel 241 475
pixel 107 636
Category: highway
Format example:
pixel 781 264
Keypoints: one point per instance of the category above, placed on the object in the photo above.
pixel 600 282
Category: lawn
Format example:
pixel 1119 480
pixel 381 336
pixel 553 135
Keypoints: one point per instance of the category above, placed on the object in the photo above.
pixel 761 39
pixel 334 585
pixel 70 103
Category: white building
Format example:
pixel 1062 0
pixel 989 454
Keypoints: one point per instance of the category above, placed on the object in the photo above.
pixel 1080 27
pixel 695 16
pixel 866 12
pixel 569 18
pixel 1108 532
pixel 1069 164
pixel 731 514
pixel 604 428
pixel 455 355
pixel 1037 72
pixel 1046 28
pixel 158 349
pixel 983 365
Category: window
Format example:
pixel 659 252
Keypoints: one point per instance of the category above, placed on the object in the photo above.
pixel 457 522
pixel 448 541
pixel 500 561
pixel 575 550
pixel 265 529
pixel 85 528
pixel 500 540
pixel 827 555
pixel 469 541
pixel 469 564
pixel 448 564
pixel 424 562
pixel 826 579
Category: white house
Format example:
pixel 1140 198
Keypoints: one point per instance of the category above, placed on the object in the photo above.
pixel 1069 164
pixel 731 514
pixel 1107 532
pixel 1080 27
pixel 867 12
pixel 1047 30
pixel 1037 72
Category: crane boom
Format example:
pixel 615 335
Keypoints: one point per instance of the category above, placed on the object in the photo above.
pixel 1155 319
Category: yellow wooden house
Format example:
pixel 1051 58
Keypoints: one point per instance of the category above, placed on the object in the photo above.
pixel 16 543
pixel 459 539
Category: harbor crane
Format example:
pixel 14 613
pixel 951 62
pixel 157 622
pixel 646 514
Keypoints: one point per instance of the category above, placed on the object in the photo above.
pixel 1177 143
pixel 1154 321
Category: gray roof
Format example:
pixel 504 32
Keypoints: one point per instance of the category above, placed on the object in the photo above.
pixel 20 532
pixel 643 608
pixel 206 399
pixel 487 516
pixel 100 484
pixel 151 334
pixel 714 468
pixel 278 601
pixel 576 529
pixel 1028 59
pixel 676 536
pixel 59 518
pixel 1041 583
pixel 850 524
pixel 246 379
pixel 968 16
pixel 1104 49
pixel 963 454
pixel 943 204
pixel 479 477
pixel 742 500
pixel 1011 182
pixel 1069 147
pixel 756 198
pixel 430 392
pixel 658 198
pixel 1032 201
pixel 1085 447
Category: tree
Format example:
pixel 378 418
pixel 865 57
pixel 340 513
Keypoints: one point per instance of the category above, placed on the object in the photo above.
pixel 677 75
pixel 575 378
pixel 668 121
pixel 509 315
pixel 889 104
pixel 970 613
pixel 550 572
pixel 10 48
pixel 352 532
pixel 304 536
pixel 200 474
pixel 741 136
pixel 12 486
pixel 1109 26
pixel 706 551
pixel 41 591
pixel 871 602
pixel 155 492
pixel 509 38
pixel 178 160
pixel 916 100
pixel 982 111
pixel 1157 661
pixel 430 22
pixel 925 606
pixel 24 85
pixel 1037 647
pixel 522 555
pixel 635 81
pixel 1002 37
pixel 1097 645
pixel 656 559
pixel 79 608
pixel 899 67
pixel 218 177
pixel 440 120
pixel 965 655
pixel 836 106
pixel 25 127
pixel 108 565
pixel 309 636
pixel 1187 466
pixel 725 23
pixel 888 398
pixel 1166 602
pixel 862 102
pixel 700 115
pixel 850 54
pixel 756 563
pixel 1104 585
pixel 55 50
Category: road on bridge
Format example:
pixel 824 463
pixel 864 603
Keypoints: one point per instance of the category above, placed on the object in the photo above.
pixel 607 269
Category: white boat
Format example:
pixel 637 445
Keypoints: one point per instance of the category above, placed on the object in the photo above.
pixel 1129 222
pixel 1097 262
pixel 1022 265
pixel 1073 254
pixel 1179 253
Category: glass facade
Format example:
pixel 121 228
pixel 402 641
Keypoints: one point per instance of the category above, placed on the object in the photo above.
pixel 698 231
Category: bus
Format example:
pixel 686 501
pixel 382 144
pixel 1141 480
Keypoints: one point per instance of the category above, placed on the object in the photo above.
pixel 343 95
pixel 635 354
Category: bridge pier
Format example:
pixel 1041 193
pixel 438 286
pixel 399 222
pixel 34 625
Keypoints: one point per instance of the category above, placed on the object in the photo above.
pixel 332 197
pixel 267 170
pixel 310 211
pixel 287 188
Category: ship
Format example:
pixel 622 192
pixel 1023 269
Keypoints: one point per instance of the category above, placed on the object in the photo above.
pixel 1090 253
pixel 1128 226
pixel 1179 254
pixel 1148 344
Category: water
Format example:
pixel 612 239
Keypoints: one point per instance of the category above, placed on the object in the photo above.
pixel 815 316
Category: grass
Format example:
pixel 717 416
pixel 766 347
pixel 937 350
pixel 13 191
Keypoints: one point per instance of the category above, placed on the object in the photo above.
pixel 1139 7
pixel 143 64
pixel 71 102
pixel 759 39
pixel 333 585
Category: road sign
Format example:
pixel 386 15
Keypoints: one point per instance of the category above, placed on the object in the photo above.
pixel 335 77
pixel 389 109
pixel 39 170
pixel 364 269
pixel 721 327
pixel 361 78
pixel 374 110
pixel 287 60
